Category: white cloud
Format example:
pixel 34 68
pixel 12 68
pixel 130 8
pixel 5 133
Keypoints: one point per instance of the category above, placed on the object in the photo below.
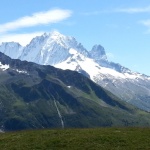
pixel 147 24
pixel 134 10
pixel 23 39
pixel 40 18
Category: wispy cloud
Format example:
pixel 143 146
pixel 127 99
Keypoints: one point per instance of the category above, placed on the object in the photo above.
pixel 23 39
pixel 39 18
pixel 91 13
pixel 147 24
pixel 134 10
pixel 130 10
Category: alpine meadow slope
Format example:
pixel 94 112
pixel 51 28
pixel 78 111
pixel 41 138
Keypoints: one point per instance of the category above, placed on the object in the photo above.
pixel 66 53
pixel 36 96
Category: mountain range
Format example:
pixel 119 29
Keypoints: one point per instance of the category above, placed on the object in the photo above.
pixel 65 52
pixel 36 96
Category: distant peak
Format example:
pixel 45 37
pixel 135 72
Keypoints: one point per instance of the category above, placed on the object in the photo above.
pixel 55 32
pixel 98 48
pixel 98 53
pixel 56 35
pixel 10 43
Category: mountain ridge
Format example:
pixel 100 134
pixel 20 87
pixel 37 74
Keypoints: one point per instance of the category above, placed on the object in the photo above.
pixel 65 52
pixel 36 96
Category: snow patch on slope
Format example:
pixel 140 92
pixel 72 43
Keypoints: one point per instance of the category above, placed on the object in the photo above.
pixel 22 71
pixel 78 60
pixel 72 51
pixel 4 67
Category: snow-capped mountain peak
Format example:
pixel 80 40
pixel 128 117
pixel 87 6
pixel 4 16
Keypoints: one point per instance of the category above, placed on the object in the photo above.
pixel 55 35
pixel 60 39
pixel 12 49
pixel 51 48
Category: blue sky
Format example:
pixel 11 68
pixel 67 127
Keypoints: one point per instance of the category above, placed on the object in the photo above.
pixel 121 26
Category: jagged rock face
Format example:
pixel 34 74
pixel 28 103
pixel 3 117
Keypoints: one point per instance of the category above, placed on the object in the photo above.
pixel 98 53
pixel 50 49
pixel 66 53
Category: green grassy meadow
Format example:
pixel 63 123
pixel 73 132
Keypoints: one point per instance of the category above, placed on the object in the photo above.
pixel 77 139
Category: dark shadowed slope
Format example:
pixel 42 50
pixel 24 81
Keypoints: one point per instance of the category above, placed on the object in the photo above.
pixel 36 96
